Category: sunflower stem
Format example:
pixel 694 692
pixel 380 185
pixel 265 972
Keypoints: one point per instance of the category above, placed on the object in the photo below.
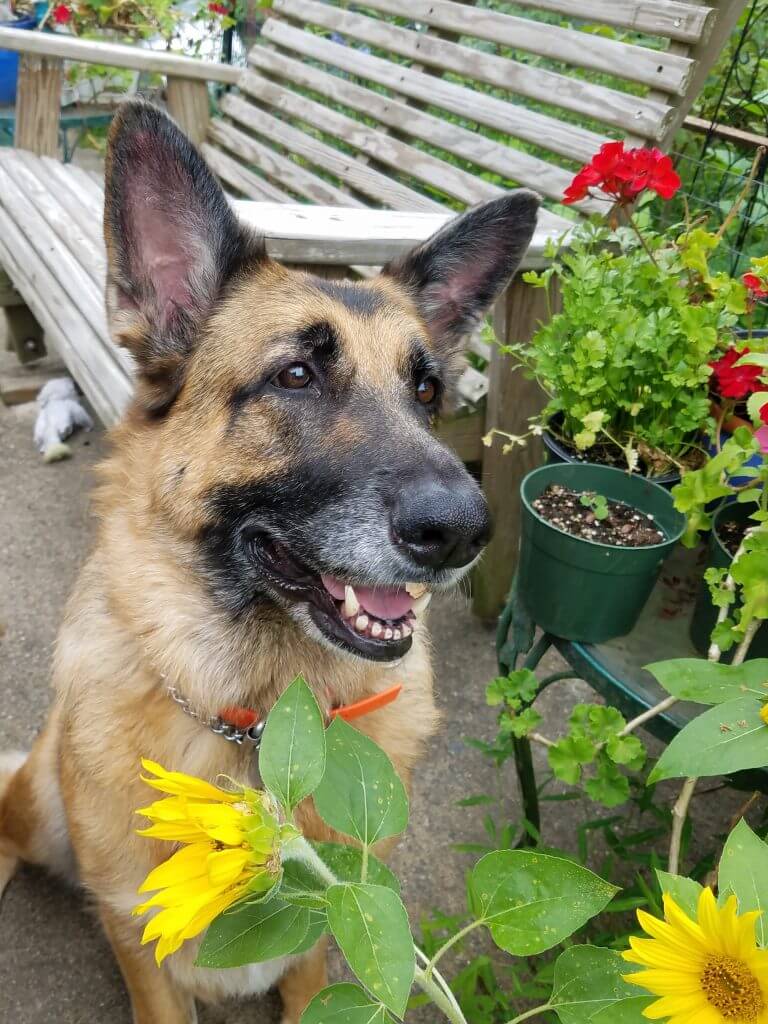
pixel 530 1013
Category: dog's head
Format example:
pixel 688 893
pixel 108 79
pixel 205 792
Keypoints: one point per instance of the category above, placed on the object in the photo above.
pixel 287 417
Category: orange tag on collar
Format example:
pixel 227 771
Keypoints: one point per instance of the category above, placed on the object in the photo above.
pixel 364 707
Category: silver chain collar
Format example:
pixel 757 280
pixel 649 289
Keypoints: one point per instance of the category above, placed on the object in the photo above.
pixel 251 735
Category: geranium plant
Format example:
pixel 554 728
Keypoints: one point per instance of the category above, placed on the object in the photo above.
pixel 625 357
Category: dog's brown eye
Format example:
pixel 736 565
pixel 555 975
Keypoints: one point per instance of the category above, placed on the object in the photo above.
pixel 294 377
pixel 426 392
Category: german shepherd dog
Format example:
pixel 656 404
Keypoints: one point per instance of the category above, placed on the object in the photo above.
pixel 273 494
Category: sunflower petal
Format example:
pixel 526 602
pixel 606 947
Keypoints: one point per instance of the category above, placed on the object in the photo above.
pixel 178 783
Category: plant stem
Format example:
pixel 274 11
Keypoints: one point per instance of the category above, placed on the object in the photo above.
pixel 530 1013
pixel 641 719
pixel 364 865
pixel 452 942
pixel 300 849
pixel 636 229
pixel 439 997
pixel 679 814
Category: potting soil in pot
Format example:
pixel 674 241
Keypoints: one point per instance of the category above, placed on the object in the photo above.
pixel 593 517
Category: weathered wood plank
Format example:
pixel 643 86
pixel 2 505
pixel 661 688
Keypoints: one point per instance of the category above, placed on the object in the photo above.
pixel 278 167
pixel 363 179
pixel 464 434
pixel 453 181
pixel 115 55
pixel 512 164
pixel 511 401
pixel 658 69
pixel 673 19
pixel 618 109
pixel 541 130
pixel 83 351
pixel 38 101
pixel 190 105
pixel 238 177
pixel 84 205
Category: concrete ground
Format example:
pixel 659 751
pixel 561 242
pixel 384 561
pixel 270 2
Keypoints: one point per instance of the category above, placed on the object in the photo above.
pixel 55 965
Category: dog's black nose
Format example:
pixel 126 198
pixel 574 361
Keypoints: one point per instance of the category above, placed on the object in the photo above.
pixel 441 525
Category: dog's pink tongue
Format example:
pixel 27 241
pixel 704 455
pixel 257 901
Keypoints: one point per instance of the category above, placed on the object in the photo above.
pixel 382 602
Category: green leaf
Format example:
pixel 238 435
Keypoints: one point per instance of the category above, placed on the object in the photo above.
pixel 346 862
pixel 249 933
pixel 627 750
pixel 727 738
pixel 361 794
pixel 532 901
pixel 709 682
pixel 292 751
pixel 344 1004
pixel 318 923
pixel 744 870
pixel 609 787
pixel 568 755
pixel 588 982
pixel 301 886
pixel 684 891
pixel 628 1011
pixel 519 724
pixel 370 924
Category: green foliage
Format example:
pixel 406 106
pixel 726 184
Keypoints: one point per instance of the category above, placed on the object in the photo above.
pixel 627 358
pixel 708 682
pixel 361 794
pixel 515 692
pixel 530 902
pixel 596 503
pixel 727 738
pixel 292 752
pixel 250 933
pixel 344 1004
pixel 684 891
pixel 595 739
pixel 743 870
pixel 589 984
pixel 370 924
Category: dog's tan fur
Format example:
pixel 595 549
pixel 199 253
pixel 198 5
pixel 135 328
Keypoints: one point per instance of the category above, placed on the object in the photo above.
pixel 144 615
pixel 138 621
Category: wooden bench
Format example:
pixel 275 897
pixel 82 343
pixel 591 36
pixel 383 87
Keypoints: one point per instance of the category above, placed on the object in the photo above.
pixel 340 108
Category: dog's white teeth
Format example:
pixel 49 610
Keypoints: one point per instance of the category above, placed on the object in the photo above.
pixel 416 590
pixel 421 603
pixel 406 630
pixel 351 604
pixel 377 629
pixel 397 635
pixel 361 623
pixel 387 633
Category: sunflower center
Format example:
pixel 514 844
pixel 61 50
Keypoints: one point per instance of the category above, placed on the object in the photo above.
pixel 732 989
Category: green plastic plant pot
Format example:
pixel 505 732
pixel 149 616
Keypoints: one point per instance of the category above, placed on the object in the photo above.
pixel 579 589
pixel 704 612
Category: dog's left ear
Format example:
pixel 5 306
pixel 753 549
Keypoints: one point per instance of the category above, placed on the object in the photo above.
pixel 172 243
pixel 458 273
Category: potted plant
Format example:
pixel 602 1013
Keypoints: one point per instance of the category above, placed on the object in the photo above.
pixel 593 541
pixel 625 360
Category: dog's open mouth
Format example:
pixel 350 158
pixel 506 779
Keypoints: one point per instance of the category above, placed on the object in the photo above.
pixel 373 622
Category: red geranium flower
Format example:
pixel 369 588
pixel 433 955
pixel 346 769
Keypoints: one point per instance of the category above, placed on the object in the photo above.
pixel 735 381
pixel 624 174
pixel 61 14
pixel 764 413
pixel 217 8
pixel 755 285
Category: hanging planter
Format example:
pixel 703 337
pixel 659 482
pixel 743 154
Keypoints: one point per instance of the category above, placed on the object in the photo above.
pixel 728 527
pixel 579 587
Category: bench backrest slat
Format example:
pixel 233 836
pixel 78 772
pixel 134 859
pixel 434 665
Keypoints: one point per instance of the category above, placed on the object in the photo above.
pixel 672 19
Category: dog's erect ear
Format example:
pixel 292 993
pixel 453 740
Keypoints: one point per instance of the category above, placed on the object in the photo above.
pixel 458 273
pixel 172 242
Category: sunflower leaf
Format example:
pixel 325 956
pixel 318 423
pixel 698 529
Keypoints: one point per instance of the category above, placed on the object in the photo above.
pixel 292 751
pixel 532 901
pixel 361 794
pixel 589 986
pixel 345 1004
pixel 684 891
pixel 249 933
pixel 709 682
pixel 726 738
pixel 370 924
pixel 744 870
pixel 346 863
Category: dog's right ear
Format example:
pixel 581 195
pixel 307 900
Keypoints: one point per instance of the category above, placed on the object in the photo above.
pixel 172 243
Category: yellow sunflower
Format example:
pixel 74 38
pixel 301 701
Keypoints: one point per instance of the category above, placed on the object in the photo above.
pixel 706 971
pixel 232 847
